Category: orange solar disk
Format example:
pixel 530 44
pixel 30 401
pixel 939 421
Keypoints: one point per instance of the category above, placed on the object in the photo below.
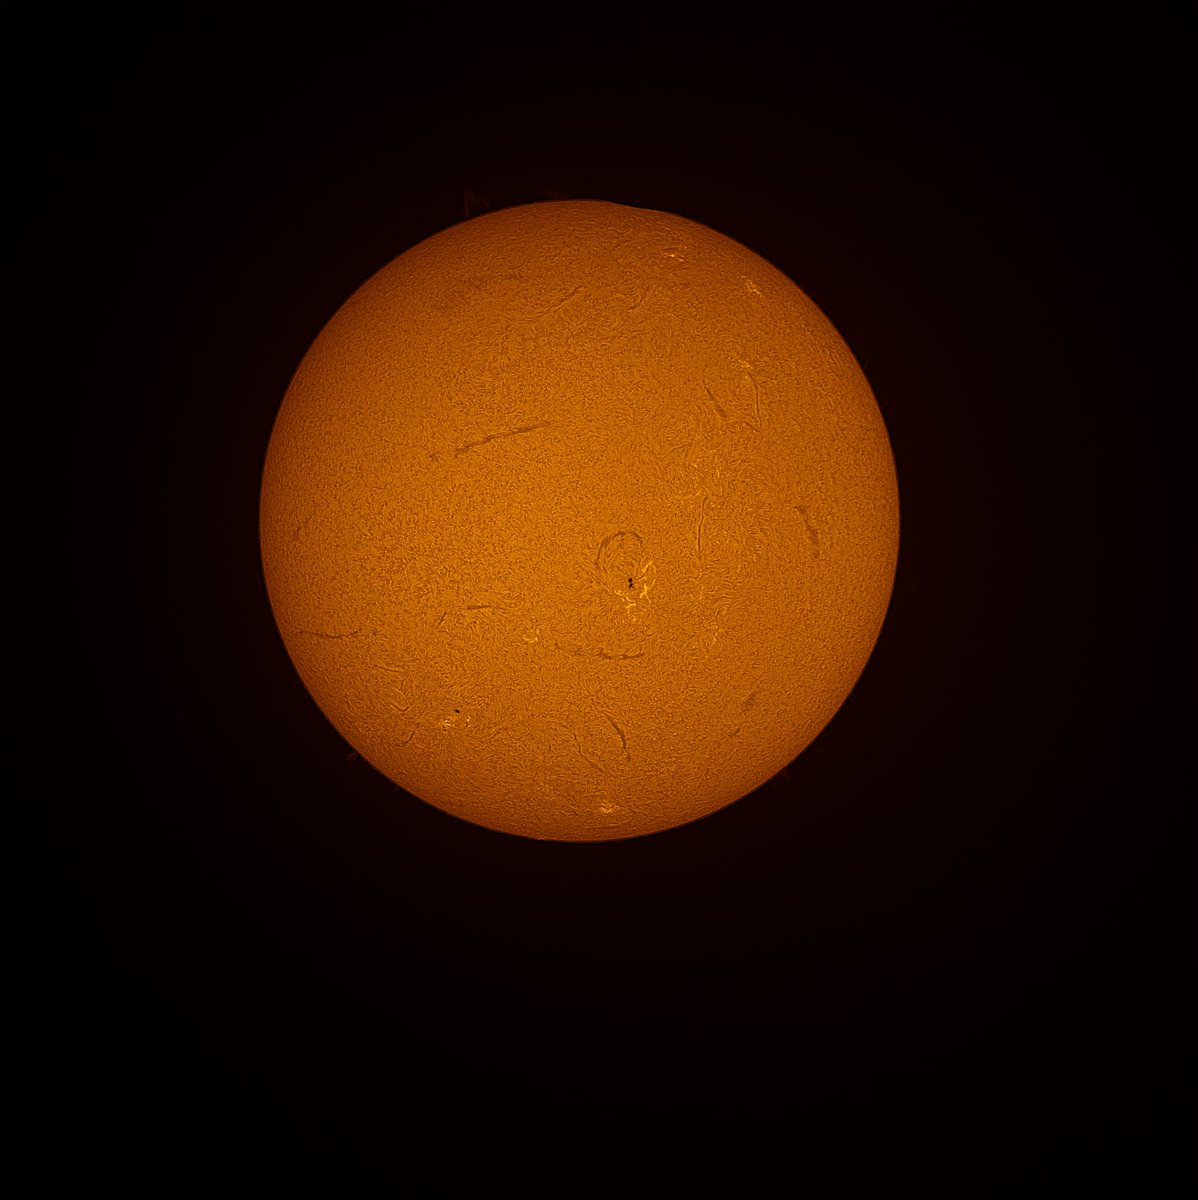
pixel 579 521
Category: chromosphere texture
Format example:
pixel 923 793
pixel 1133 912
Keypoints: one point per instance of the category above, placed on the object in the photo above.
pixel 579 521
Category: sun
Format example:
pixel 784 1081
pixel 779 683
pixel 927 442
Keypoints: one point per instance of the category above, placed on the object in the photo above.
pixel 579 521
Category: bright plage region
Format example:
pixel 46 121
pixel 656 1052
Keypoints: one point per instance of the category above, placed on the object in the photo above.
pixel 579 521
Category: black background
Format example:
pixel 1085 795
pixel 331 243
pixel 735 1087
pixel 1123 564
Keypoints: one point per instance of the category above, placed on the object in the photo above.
pixel 953 922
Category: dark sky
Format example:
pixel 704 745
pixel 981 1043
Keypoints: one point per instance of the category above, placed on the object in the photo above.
pixel 954 921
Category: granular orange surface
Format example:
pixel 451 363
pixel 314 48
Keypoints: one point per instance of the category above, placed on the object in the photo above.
pixel 579 521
